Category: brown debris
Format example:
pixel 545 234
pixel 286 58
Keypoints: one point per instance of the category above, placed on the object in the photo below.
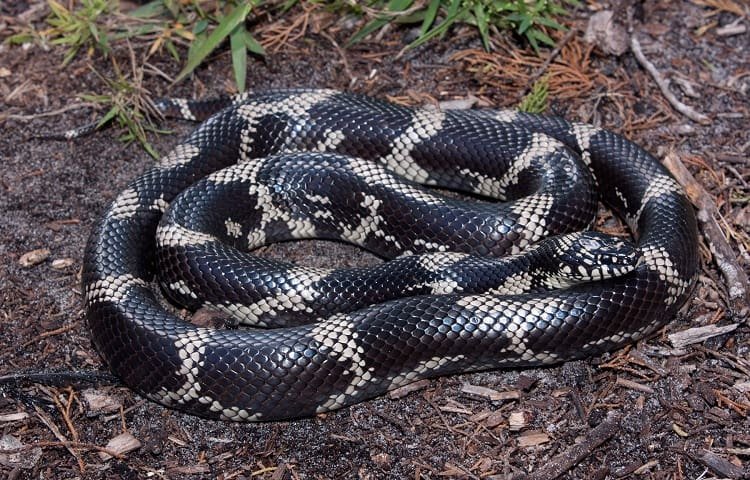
pixel 518 420
pixel 720 465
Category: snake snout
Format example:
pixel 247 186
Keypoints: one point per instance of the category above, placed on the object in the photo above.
pixel 591 255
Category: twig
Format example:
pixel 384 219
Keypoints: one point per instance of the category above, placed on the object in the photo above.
pixel 50 333
pixel 342 54
pixel 45 419
pixel 707 213
pixel 543 67
pixel 51 113
pixel 663 84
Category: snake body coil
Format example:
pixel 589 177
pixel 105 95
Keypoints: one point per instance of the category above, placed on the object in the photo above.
pixel 346 188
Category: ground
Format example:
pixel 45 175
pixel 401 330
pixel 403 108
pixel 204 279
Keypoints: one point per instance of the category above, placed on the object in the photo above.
pixel 653 410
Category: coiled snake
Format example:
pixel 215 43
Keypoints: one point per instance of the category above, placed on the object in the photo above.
pixel 320 163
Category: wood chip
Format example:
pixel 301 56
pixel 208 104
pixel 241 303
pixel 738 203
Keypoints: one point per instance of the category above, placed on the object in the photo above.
pixel 98 402
pixel 459 104
pixel 177 441
pixel 407 389
pixel 494 419
pixel 13 417
pixel 121 444
pixel 62 263
pixel 34 257
pixel 532 439
pixel 198 469
pixel 646 467
pixel 699 334
pixel 720 465
pixel 517 420
pixel 452 409
pixel 490 394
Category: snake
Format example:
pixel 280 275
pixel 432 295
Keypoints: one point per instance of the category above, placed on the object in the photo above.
pixel 484 217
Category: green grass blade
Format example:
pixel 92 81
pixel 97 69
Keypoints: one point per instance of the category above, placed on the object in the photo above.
pixel 253 45
pixel 220 33
pixel 439 29
pixel 482 19
pixel 152 9
pixel 239 56
pixel 430 16
pixel 112 113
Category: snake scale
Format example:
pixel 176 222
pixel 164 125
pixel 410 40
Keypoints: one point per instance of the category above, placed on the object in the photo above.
pixel 282 165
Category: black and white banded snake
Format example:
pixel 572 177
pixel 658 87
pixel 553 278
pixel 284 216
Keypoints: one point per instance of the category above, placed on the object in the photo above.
pixel 321 163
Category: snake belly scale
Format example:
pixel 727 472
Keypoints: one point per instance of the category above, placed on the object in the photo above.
pixel 548 170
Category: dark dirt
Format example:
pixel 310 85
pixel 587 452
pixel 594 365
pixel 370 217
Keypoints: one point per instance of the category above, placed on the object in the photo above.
pixel 670 413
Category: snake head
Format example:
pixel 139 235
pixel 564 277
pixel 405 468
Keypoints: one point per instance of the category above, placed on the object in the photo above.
pixel 589 256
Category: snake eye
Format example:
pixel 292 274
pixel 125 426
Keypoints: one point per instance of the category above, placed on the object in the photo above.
pixel 590 243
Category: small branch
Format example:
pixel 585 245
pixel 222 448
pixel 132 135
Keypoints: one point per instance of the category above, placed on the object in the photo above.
pixel 663 84
pixel 723 254
pixel 550 58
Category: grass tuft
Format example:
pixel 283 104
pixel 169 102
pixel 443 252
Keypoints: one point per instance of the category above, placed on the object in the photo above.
pixel 530 19
pixel 536 100
pixel 201 27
